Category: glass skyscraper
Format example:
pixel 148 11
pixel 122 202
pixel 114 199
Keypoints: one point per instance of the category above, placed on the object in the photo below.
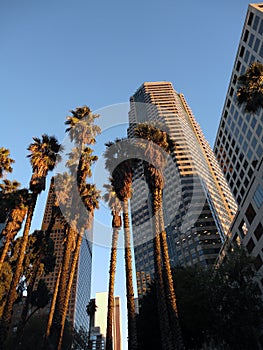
pixel 239 146
pixel 198 205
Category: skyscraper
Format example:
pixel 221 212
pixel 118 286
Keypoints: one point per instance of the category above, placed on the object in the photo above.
pixel 80 293
pixel 239 144
pixel 98 328
pixel 198 205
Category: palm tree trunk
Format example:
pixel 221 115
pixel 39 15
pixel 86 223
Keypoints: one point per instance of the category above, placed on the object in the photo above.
pixel 24 314
pixel 113 262
pixel 165 330
pixel 56 322
pixel 168 279
pixel 132 332
pixel 52 309
pixel 74 262
pixel 11 229
pixel 11 297
pixel 5 250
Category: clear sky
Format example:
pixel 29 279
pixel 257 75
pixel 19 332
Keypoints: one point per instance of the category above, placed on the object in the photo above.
pixel 57 55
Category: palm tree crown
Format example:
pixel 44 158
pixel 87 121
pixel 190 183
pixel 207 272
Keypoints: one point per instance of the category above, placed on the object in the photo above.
pixel 43 156
pixel 82 129
pixel 250 88
pixel 5 161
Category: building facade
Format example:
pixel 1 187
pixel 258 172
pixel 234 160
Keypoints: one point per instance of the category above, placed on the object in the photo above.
pixel 198 205
pixel 99 323
pixel 239 144
pixel 81 287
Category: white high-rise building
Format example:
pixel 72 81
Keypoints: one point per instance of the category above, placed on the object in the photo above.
pixel 198 204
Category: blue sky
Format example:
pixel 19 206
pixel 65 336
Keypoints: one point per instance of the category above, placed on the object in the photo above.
pixel 57 55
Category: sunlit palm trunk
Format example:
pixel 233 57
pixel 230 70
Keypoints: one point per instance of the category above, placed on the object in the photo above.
pixel 166 339
pixel 69 286
pixel 132 332
pixel 52 309
pixel 63 285
pixel 10 231
pixel 7 313
pixel 113 262
pixel 168 279
pixel 11 297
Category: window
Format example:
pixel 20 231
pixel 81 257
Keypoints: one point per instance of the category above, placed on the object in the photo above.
pixel 244 128
pixel 243 228
pixel 250 213
pixel 258 262
pixel 251 39
pixel 245 38
pixel 245 166
pixel 261 50
pixel 256 45
pixel 261 28
pixel 256 21
pixel 250 245
pixel 250 18
pixel 249 154
pixel 253 123
pixel 258 196
pixel 259 151
pixel 258 231
pixel 258 131
pixel 242 50
pixel 246 56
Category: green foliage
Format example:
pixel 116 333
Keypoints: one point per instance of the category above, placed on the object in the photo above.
pixel 221 308
pixel 32 338
pixel 41 296
pixel 5 161
pixel 250 88
pixel 44 153
pixel 5 280
pixel 148 322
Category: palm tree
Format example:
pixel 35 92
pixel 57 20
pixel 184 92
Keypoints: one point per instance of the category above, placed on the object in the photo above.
pixel 91 308
pixel 43 155
pixel 42 261
pixel 111 198
pixel 157 145
pixel 120 167
pixel 82 131
pixel 18 199
pixel 250 88
pixel 5 161
pixel 90 196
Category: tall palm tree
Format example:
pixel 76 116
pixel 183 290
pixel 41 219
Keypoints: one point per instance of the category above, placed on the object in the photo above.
pixel 90 196
pixel 82 131
pixel 91 308
pixel 5 161
pixel 114 204
pixel 250 88
pixel 157 145
pixel 120 167
pixel 42 261
pixel 43 155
